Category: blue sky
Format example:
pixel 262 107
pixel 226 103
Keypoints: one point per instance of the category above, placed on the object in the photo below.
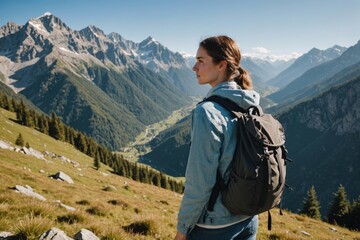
pixel 274 27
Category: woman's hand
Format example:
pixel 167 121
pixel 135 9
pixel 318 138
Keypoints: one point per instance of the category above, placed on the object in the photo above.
pixel 180 236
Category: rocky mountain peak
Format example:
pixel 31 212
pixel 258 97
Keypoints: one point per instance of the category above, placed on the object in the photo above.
pixel 92 32
pixel 9 28
pixel 149 41
pixel 48 24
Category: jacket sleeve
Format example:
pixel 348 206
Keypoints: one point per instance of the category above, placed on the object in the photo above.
pixel 203 161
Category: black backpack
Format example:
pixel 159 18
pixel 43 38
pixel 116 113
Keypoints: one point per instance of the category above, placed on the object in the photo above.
pixel 257 179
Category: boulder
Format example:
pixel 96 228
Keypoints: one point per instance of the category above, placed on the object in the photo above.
pixel 5 145
pixel 29 192
pixel 5 235
pixel 54 234
pixel 62 176
pixel 85 234
pixel 67 207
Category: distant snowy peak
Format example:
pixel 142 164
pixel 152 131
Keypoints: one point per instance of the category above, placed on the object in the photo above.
pixel 272 58
pixel 316 55
pixel 48 23
pixel 149 41
pixel 46 14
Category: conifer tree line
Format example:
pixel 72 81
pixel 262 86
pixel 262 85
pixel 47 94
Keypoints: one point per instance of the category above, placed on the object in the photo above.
pixel 340 211
pixel 54 127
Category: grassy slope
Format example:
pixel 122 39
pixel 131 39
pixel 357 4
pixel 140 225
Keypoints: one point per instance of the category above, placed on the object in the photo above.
pixel 137 202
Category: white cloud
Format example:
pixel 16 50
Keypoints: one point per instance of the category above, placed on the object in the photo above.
pixel 266 54
pixel 260 50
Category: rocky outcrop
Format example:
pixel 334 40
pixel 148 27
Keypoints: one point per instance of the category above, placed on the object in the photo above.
pixel 63 177
pixel 85 234
pixel 28 191
pixel 54 234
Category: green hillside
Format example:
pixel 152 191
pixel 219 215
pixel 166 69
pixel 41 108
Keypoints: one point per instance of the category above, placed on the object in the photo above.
pixel 105 203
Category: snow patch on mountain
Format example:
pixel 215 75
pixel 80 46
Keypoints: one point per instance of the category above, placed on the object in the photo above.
pixel 45 15
pixel 67 50
pixel 38 26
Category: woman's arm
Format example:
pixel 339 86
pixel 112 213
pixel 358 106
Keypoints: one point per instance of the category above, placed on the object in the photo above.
pixel 203 161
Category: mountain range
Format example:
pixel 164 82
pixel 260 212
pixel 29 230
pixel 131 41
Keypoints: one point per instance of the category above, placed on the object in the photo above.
pixel 103 85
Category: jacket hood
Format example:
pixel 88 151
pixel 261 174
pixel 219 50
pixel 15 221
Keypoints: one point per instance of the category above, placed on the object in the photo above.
pixel 230 90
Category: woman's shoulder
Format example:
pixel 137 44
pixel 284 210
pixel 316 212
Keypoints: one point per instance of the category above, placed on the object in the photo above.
pixel 213 112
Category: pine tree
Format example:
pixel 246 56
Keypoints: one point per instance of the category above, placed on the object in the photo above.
pixel 7 104
pixel 19 140
pixel 311 206
pixel 339 208
pixel 156 179
pixel 56 129
pixel 353 217
pixel 43 124
pixel 164 181
pixel 97 161
pixel 80 143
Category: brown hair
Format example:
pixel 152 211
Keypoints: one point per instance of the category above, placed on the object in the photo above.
pixel 224 48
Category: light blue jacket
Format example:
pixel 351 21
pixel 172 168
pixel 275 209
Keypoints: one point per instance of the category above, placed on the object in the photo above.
pixel 213 139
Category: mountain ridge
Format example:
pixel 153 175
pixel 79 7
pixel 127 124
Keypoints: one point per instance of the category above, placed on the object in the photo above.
pixel 28 57
pixel 308 60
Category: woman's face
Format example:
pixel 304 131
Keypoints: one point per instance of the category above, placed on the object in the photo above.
pixel 206 71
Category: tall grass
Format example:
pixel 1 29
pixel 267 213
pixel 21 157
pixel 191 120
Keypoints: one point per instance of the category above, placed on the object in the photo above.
pixel 31 227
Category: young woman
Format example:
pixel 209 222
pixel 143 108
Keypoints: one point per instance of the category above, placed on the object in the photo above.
pixel 213 140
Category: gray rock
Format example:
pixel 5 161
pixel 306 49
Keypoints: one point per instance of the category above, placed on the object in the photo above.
pixel 33 152
pixel 62 176
pixel 305 233
pixel 5 145
pixel 85 234
pixel 67 207
pixel 54 234
pixel 29 192
pixel 4 235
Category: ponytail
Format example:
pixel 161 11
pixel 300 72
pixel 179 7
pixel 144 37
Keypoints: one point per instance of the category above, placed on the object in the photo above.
pixel 243 79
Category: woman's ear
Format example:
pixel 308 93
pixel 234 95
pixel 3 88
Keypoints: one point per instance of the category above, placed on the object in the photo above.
pixel 222 65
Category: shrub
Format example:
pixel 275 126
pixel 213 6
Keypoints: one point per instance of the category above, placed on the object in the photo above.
pixel 146 227
pixel 164 202
pixel 71 218
pixel 83 202
pixel 114 234
pixel 109 188
pixel 97 210
pixel 121 203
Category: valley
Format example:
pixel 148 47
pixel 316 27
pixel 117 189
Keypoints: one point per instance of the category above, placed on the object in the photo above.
pixel 140 146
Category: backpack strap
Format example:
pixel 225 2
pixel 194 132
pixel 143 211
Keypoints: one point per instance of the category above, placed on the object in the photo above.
pixel 220 184
pixel 236 111
pixel 230 105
